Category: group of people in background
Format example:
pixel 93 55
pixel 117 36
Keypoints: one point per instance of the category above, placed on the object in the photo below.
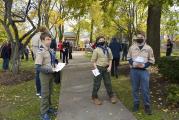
pixel 66 49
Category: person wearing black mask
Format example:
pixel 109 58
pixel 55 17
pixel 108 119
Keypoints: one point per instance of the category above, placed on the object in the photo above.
pixel 102 60
pixel 140 57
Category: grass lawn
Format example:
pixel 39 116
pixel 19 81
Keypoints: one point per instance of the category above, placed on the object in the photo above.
pixel 122 88
pixel 19 102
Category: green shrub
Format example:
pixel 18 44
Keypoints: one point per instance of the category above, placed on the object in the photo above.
pixel 173 93
pixel 169 67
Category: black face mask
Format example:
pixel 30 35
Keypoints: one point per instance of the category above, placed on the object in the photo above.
pixel 101 43
pixel 140 41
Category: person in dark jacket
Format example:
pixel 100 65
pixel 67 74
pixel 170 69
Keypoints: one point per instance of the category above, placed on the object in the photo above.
pixel 70 50
pixel 26 53
pixel 169 47
pixel 115 47
pixel 54 45
pixel 65 51
pixel 6 54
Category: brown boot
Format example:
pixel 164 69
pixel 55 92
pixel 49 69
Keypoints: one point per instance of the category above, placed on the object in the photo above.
pixel 113 100
pixel 97 101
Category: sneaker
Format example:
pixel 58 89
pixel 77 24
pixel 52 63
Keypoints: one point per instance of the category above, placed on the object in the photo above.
pixel 38 94
pixel 45 117
pixel 97 101
pixel 113 100
pixel 148 110
pixel 136 108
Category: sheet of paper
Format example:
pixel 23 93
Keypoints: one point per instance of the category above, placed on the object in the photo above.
pixel 96 72
pixel 139 60
pixel 59 67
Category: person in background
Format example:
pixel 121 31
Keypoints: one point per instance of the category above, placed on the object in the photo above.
pixel 26 52
pixel 54 44
pixel 60 47
pixel 125 51
pixel 115 47
pixel 21 51
pixel 32 54
pixel 102 60
pixel 36 43
pixel 65 51
pixel 6 55
pixel 140 57
pixel 169 47
pixel 70 50
pixel 94 45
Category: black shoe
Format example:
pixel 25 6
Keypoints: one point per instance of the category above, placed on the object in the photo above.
pixel 136 108
pixel 148 110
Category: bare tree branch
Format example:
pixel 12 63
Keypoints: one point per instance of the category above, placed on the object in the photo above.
pixel 38 25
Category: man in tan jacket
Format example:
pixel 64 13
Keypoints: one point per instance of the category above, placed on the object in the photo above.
pixel 140 57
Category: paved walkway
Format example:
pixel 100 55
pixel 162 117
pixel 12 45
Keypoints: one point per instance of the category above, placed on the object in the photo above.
pixel 75 97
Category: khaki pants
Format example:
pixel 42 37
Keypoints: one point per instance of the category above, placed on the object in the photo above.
pixel 46 91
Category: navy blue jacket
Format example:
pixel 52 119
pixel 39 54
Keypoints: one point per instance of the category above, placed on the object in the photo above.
pixel 6 52
pixel 115 47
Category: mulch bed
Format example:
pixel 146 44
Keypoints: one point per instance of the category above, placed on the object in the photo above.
pixel 7 78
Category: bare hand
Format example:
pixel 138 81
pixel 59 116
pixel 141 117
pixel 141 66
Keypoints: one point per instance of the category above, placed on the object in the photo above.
pixel 109 69
pixel 140 65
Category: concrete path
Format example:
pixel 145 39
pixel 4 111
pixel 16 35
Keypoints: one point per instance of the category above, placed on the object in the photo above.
pixel 75 98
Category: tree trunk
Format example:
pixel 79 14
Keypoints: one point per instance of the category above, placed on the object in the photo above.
pixel 78 31
pixel 61 32
pixel 91 33
pixel 15 58
pixel 153 28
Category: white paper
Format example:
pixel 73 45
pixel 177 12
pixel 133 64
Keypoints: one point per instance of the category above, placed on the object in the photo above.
pixel 139 60
pixel 59 67
pixel 96 72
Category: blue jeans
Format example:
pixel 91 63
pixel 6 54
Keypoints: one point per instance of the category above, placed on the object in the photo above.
pixel 140 83
pixel 37 81
pixel 6 63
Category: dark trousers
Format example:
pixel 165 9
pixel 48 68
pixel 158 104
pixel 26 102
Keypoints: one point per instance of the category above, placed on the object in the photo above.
pixel 169 52
pixel 33 57
pixel 5 63
pixel 65 57
pixel 70 55
pixel 37 81
pixel 115 67
pixel 61 54
pixel 124 56
pixel 105 75
pixel 26 56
